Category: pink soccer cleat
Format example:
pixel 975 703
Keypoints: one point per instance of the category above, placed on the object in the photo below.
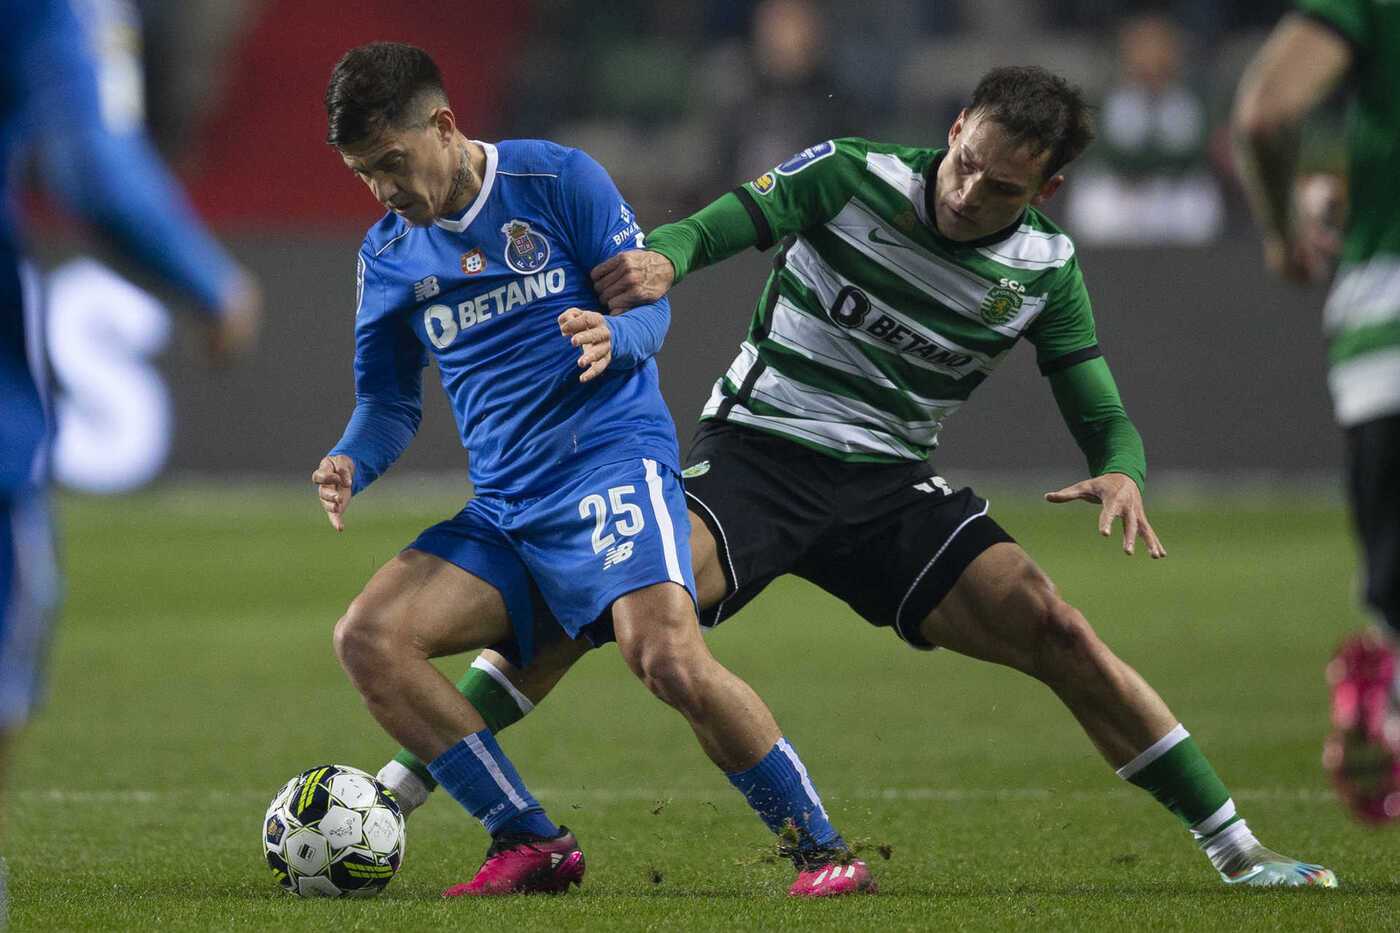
pixel 526 864
pixel 1362 755
pixel 830 872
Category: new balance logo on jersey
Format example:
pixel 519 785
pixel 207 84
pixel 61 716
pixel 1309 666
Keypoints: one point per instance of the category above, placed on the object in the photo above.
pixel 443 324
pixel 423 289
pixel 617 554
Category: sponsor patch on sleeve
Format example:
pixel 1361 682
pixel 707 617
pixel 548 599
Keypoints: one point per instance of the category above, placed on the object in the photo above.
pixel 806 157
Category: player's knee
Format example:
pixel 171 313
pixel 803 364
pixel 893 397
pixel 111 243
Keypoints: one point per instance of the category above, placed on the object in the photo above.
pixel 361 639
pixel 668 672
pixel 1063 643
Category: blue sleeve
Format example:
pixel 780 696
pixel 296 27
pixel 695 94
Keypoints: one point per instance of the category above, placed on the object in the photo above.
pixel 389 363
pixel 637 333
pixel 602 225
pixel 108 175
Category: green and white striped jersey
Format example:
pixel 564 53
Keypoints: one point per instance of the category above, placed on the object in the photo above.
pixel 873 329
pixel 1362 314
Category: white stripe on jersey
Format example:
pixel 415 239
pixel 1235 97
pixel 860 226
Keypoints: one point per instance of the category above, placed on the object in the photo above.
pixel 784 392
pixel 892 171
pixel 960 290
pixel 846 438
pixel 1366 387
pixel 1029 248
pixel 826 284
pixel 1365 293
pixel 663 523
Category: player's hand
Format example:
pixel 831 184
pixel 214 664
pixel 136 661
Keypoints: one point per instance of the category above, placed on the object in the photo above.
pixel 1120 498
pixel 334 479
pixel 635 277
pixel 589 330
pixel 234 332
pixel 1308 253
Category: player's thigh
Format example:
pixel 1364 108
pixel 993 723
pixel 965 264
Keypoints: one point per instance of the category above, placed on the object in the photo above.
pixel 997 610
pixel 657 624
pixel 422 603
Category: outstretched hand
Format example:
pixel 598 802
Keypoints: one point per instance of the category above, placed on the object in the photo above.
pixel 334 479
pixel 589 330
pixel 1120 498
pixel 631 278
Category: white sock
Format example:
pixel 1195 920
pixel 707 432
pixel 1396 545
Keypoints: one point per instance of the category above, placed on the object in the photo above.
pixel 1230 847
pixel 407 787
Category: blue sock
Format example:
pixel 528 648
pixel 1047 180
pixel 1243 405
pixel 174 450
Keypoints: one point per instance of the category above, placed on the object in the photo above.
pixel 779 789
pixel 481 778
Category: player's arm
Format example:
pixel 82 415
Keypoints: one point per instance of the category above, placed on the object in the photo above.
pixel 756 214
pixel 1304 60
pixel 389 364
pixel 602 226
pixel 1093 411
pixel 105 170
pixel 1067 350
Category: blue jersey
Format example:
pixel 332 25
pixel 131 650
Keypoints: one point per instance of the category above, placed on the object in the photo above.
pixel 481 293
pixel 103 168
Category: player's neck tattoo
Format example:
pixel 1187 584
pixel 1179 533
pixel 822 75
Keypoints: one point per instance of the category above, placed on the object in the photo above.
pixel 462 178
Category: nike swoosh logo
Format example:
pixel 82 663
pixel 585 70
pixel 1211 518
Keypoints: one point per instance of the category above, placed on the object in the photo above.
pixel 876 238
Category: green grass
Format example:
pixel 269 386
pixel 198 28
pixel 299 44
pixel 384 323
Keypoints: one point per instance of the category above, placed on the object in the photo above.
pixel 193 674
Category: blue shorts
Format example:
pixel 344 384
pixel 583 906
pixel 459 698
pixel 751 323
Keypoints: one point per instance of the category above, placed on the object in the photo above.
pixel 561 560
pixel 28 595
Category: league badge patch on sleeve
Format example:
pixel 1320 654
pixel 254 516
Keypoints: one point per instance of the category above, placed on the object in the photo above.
pixel 473 262
pixel 763 183
pixel 526 250
pixel 806 157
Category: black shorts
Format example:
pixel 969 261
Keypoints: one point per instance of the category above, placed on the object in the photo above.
pixel 888 538
pixel 1373 475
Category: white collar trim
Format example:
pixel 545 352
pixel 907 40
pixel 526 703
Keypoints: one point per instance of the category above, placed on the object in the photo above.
pixel 488 179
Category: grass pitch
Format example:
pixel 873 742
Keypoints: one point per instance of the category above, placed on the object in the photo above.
pixel 193 674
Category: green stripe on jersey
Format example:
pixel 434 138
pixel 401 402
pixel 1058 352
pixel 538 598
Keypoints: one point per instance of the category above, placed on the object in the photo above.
pixel 880 328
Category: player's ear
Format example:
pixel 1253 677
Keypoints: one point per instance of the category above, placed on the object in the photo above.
pixel 1048 189
pixel 444 122
pixel 957 126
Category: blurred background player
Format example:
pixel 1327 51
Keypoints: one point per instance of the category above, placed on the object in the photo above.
pixel 905 275
pixel 577 503
pixel 1305 59
pixel 92 154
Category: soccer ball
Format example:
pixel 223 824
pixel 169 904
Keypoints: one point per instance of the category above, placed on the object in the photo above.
pixel 333 831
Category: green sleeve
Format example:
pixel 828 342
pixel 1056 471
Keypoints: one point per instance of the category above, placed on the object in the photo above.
pixel 1350 18
pixel 804 192
pixel 1089 403
pixel 717 231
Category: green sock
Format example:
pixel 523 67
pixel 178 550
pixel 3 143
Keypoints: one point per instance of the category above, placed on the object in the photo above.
pixel 1175 772
pixel 498 704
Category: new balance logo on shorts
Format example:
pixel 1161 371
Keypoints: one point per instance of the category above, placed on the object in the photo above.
pixel 618 554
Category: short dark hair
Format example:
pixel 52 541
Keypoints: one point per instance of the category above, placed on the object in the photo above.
pixel 1038 109
pixel 377 86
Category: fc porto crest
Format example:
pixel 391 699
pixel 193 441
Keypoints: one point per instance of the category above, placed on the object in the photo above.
pixel 526 250
pixel 1003 302
pixel 473 262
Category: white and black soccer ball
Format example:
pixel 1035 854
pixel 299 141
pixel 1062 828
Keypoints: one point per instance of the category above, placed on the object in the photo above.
pixel 333 831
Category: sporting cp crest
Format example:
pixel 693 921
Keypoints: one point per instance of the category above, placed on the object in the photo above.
pixel 473 262
pixel 1003 302
pixel 526 250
